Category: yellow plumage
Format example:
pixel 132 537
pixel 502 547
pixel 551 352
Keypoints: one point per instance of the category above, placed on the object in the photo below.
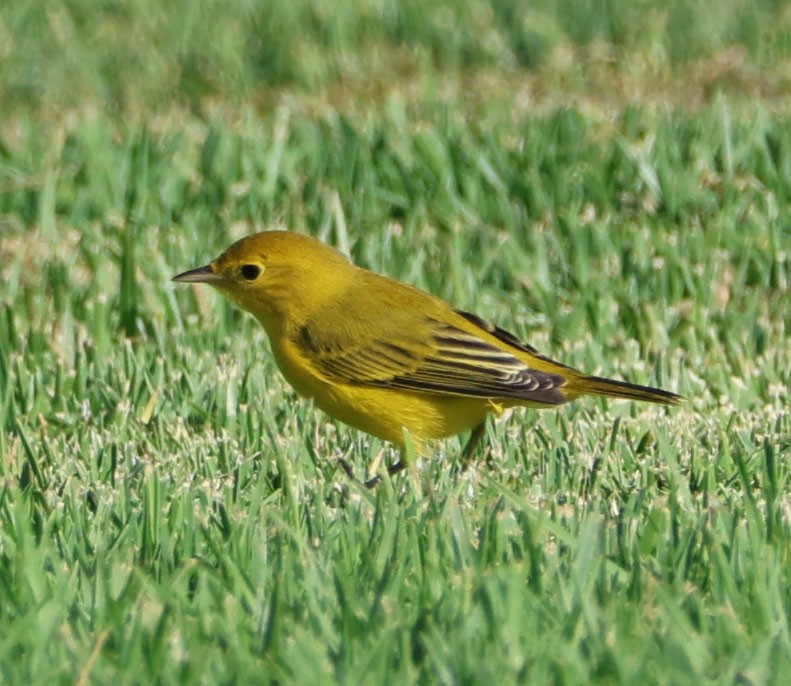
pixel 384 356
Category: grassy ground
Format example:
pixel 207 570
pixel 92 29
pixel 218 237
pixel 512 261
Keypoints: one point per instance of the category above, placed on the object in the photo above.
pixel 612 189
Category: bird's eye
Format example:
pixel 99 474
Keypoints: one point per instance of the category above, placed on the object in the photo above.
pixel 251 271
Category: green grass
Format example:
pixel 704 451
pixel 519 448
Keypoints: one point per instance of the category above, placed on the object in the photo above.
pixel 150 57
pixel 171 512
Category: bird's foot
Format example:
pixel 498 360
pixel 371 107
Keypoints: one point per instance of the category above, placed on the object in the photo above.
pixel 374 480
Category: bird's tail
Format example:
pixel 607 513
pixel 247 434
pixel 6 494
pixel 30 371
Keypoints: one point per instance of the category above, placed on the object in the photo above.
pixel 597 385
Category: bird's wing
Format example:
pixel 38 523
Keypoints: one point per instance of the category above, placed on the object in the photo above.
pixel 430 356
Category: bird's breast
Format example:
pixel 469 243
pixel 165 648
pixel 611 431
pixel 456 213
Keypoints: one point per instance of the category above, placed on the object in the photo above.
pixel 297 369
pixel 382 412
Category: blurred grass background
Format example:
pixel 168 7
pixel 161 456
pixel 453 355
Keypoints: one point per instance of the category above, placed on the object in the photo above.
pixel 609 180
pixel 150 57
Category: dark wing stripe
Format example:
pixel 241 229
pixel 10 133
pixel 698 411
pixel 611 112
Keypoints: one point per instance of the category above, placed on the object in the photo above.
pixel 444 366
pixel 455 336
pixel 350 368
pixel 397 350
pixel 373 359
pixel 456 379
pixel 509 338
pixel 549 396
pixel 457 344
pixel 493 359
pixel 454 362
pixel 471 347
pixel 501 334
pixel 478 381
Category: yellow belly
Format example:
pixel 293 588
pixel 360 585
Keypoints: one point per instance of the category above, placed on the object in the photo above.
pixel 385 412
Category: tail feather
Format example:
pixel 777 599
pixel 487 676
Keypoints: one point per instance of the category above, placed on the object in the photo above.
pixel 597 385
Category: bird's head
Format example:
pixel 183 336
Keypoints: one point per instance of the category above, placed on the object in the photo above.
pixel 276 275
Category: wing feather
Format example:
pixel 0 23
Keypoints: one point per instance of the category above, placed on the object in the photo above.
pixel 434 357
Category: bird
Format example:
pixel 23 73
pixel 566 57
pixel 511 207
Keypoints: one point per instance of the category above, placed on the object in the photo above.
pixel 386 357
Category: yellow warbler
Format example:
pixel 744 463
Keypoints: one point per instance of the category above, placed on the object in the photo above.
pixel 386 357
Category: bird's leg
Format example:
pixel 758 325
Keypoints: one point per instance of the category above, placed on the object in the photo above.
pixel 392 469
pixel 397 467
pixel 472 443
pixel 374 480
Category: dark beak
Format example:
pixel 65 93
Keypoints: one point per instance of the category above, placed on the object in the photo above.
pixel 199 275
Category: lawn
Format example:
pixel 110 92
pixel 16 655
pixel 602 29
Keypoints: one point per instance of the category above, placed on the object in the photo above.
pixel 609 181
